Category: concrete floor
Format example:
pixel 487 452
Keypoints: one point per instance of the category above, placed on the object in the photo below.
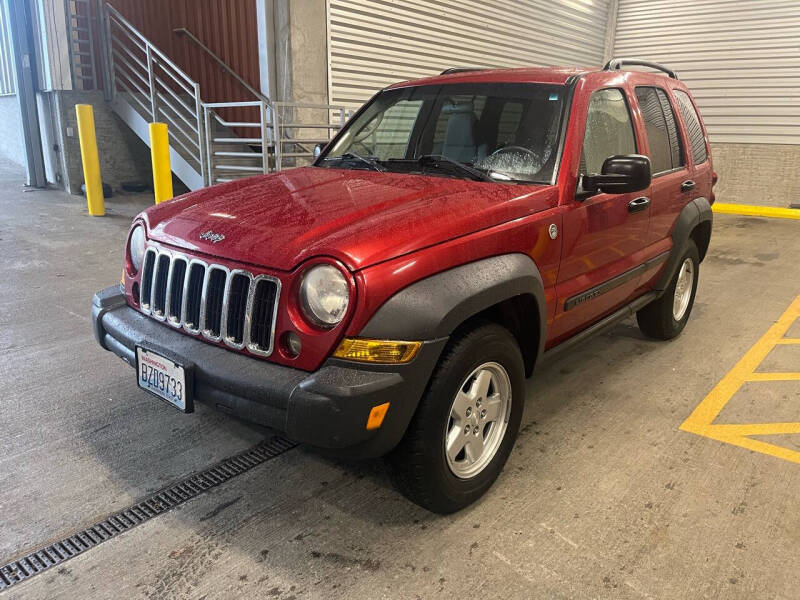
pixel 603 496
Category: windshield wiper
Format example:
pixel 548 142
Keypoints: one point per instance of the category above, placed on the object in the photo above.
pixel 443 162
pixel 371 162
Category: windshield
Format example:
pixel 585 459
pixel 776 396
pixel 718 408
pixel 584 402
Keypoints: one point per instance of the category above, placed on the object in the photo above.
pixel 496 131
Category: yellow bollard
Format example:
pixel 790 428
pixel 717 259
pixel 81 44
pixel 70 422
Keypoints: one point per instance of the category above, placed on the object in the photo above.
pixel 91 160
pixel 162 171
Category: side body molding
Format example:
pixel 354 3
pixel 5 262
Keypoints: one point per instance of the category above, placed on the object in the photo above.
pixel 693 214
pixel 433 307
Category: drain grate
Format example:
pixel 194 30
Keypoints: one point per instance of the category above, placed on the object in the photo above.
pixel 54 554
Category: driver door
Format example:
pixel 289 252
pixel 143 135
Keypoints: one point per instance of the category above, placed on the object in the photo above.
pixel 605 235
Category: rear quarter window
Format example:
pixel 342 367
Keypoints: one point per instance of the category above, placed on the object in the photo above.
pixel 693 129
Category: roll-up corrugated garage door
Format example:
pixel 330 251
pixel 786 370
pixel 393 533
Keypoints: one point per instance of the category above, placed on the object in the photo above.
pixel 374 43
pixel 741 58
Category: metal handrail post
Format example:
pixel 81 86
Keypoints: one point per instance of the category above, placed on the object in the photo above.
pixel 198 103
pixel 209 177
pixel 264 138
pixel 276 129
pixel 151 79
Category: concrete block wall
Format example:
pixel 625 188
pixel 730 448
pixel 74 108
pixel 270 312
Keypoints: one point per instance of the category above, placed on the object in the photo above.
pixel 762 174
pixel 11 145
pixel 123 156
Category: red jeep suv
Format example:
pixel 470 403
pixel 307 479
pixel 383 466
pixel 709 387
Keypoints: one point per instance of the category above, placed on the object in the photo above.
pixel 393 297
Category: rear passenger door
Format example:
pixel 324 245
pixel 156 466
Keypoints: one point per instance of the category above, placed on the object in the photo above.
pixel 672 184
pixel 702 172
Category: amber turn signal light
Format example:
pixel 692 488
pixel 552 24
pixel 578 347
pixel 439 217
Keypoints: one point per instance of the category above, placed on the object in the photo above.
pixel 377 415
pixel 377 351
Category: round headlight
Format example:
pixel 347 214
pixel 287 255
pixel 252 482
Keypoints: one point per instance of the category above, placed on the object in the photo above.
pixel 136 248
pixel 324 295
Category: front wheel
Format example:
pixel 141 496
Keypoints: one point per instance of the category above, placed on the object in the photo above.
pixel 665 318
pixel 466 423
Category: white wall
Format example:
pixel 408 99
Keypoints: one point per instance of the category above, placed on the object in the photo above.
pixel 374 43
pixel 740 58
pixel 11 146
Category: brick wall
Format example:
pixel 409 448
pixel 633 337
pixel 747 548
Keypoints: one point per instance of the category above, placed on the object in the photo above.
pixel 762 174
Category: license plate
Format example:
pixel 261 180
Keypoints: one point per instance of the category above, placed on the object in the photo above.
pixel 162 377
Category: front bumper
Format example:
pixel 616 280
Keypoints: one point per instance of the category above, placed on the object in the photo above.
pixel 327 408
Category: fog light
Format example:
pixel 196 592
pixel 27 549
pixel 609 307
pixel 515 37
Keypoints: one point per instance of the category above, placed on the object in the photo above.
pixel 292 344
pixel 377 351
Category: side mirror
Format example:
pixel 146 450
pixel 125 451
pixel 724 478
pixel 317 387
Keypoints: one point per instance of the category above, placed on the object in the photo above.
pixel 620 175
pixel 318 150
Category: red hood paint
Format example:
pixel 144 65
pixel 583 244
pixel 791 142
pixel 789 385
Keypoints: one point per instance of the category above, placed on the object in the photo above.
pixel 359 217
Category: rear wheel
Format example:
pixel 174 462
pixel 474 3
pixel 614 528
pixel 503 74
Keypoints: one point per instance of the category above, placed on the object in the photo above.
pixel 665 318
pixel 466 423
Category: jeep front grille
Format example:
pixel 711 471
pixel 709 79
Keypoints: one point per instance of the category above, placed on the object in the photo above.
pixel 220 304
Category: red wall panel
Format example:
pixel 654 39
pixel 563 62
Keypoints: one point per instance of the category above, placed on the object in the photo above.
pixel 227 27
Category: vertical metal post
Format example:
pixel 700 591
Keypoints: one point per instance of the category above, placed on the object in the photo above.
pixel 24 51
pixel 162 169
pixel 264 138
pixel 152 79
pixel 201 146
pixel 209 177
pixel 276 130
pixel 91 160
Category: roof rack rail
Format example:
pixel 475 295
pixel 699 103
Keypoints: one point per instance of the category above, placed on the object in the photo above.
pixel 452 70
pixel 615 64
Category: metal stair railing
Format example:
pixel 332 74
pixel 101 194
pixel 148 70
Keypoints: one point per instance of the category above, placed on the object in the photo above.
pixel 153 86
pixel 282 132
pixel 156 88
pixel 229 156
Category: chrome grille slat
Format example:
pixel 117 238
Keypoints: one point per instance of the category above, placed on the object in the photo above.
pixel 158 294
pixel 210 300
pixel 147 278
pixel 175 285
pixel 214 298
pixel 192 298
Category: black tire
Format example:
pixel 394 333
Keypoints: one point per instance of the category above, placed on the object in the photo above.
pixel 419 466
pixel 657 319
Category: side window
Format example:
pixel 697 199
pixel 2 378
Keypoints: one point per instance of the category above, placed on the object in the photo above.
pixel 693 128
pixel 388 133
pixel 609 130
pixel 662 131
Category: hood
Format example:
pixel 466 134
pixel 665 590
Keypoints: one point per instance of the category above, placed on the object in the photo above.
pixel 359 217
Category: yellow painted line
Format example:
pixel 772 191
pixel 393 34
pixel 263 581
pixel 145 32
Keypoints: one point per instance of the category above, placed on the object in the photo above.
pixel 750 210
pixel 773 377
pixel 701 421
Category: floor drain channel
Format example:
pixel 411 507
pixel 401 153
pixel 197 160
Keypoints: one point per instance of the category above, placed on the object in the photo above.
pixel 54 554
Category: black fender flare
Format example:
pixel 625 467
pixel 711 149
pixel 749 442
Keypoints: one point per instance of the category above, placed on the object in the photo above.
pixel 434 307
pixel 695 212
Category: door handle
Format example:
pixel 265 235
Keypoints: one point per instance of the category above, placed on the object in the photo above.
pixel 638 204
pixel 688 185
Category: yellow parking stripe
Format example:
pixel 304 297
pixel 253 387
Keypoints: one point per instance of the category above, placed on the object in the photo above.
pixel 773 377
pixel 701 421
pixel 750 210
